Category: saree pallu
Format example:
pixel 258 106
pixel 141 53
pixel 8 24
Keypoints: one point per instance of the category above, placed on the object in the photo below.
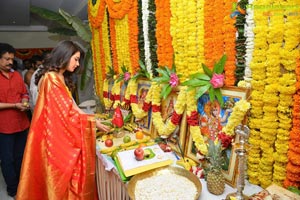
pixel 59 158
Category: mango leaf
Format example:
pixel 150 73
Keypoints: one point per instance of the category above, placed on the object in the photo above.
pixel 194 82
pixel 169 71
pixel 162 72
pixel 82 31
pixel 127 118
pixel 211 93
pixel 161 79
pixel 207 71
pixel 219 66
pixel 166 91
pixel 200 76
pixel 219 96
pixel 142 65
pixel 190 88
pixel 200 91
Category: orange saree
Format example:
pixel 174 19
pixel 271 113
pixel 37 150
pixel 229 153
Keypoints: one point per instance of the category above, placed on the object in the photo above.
pixel 59 159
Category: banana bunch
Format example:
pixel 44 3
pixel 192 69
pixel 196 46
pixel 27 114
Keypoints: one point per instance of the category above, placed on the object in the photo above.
pixel 186 163
pixel 109 150
pixel 107 136
pixel 102 115
pixel 129 127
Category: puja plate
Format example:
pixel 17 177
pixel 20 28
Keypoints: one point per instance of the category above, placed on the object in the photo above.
pixel 161 171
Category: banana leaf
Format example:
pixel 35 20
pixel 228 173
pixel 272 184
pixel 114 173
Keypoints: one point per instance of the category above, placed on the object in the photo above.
pixel 87 71
pixel 82 30
pixel 50 15
pixel 63 31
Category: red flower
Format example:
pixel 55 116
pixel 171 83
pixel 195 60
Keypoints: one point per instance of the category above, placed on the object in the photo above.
pixel 225 140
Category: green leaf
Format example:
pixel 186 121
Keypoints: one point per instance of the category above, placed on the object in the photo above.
pixel 219 66
pixel 82 31
pixel 142 65
pixel 207 71
pixel 88 69
pixel 167 91
pixel 63 31
pixel 219 96
pixel 161 79
pixel 200 91
pixel 211 93
pixel 194 82
pixel 200 76
pixel 127 118
pixel 162 72
pixel 168 70
pixel 50 15
pixel 190 88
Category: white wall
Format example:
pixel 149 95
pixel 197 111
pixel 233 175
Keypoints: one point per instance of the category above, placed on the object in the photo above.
pixel 30 39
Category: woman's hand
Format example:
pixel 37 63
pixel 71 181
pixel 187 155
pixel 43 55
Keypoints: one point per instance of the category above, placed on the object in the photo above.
pixel 101 126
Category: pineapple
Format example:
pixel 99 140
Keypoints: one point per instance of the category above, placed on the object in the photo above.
pixel 214 176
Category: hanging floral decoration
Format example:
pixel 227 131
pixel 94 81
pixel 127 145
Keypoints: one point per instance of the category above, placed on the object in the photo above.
pixel 168 79
pixel 211 81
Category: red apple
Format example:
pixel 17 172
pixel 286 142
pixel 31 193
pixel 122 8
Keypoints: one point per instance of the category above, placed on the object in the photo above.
pixel 139 153
pixel 109 142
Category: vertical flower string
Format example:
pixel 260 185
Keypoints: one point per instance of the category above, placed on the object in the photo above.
pixel 187 36
pixel 258 69
pixel 145 16
pixel 151 35
pixel 133 37
pixel 96 14
pixel 291 64
pixel 141 40
pixel 163 36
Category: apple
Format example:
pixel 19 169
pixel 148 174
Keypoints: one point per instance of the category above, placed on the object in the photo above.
pixel 108 142
pixel 126 139
pixel 139 153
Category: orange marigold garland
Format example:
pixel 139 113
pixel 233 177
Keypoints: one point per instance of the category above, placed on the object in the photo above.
pixel 96 13
pixel 118 10
pixel 163 36
pixel 293 166
pixel 133 37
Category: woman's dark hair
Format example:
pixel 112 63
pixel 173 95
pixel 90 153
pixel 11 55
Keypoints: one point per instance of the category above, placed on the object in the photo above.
pixel 59 58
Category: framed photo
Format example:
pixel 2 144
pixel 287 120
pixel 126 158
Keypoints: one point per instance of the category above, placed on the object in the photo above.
pixel 212 118
pixel 178 137
pixel 145 123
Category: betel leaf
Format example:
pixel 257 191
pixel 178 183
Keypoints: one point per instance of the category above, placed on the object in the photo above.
pixel 219 66
pixel 201 90
pixel 207 71
pixel 194 82
pixel 200 76
pixel 211 93
pixel 165 91
pixel 219 96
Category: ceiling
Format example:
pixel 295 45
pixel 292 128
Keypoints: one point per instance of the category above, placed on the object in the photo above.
pixel 16 13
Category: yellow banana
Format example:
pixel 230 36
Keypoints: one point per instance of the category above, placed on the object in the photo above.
pixel 184 164
pixel 108 150
pixel 128 144
pixel 131 147
pixel 144 140
pixel 191 162
pixel 150 143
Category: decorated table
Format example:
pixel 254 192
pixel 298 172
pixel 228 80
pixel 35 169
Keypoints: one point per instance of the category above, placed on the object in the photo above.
pixel 111 187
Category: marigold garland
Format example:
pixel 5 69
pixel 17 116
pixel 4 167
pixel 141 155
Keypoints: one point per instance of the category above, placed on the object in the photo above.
pixel 118 10
pixel 96 13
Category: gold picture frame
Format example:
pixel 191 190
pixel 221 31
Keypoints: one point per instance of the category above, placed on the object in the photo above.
pixel 230 96
pixel 167 109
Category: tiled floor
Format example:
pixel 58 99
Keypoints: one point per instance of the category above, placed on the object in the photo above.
pixel 3 194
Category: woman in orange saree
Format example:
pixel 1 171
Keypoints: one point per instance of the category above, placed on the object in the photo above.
pixel 59 159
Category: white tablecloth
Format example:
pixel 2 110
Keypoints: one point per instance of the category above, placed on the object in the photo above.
pixel 111 187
